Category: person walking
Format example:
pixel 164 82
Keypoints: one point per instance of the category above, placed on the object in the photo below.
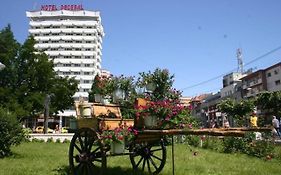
pixel 253 120
pixel 275 123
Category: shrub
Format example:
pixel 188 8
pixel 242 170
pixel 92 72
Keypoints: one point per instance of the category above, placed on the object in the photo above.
pixel 66 141
pixel 213 143
pixel 193 140
pixel 38 140
pixel 10 132
pixel 26 132
pixel 249 146
pixel 58 140
pixel 49 140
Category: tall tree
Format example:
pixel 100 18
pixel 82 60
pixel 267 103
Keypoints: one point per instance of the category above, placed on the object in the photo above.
pixel 237 110
pixel 33 78
pixel 270 102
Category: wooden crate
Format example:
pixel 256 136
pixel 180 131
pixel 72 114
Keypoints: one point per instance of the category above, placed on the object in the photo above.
pixel 139 121
pixel 112 123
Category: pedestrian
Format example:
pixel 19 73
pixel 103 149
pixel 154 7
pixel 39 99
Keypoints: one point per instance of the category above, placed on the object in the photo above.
pixel 225 122
pixel 57 130
pixel 253 120
pixel 275 123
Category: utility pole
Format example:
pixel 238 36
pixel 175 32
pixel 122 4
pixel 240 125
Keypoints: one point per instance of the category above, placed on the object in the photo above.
pixel 240 60
pixel 46 112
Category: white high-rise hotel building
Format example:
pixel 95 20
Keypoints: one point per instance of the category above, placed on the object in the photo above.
pixel 72 38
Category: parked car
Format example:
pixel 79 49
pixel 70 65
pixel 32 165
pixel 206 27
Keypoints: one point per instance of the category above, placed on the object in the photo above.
pixel 40 129
pixel 64 130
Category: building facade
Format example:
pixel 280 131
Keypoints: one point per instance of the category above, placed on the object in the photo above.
pixel 72 38
pixel 268 79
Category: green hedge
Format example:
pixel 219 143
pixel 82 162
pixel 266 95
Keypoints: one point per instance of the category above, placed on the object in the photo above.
pixel 10 132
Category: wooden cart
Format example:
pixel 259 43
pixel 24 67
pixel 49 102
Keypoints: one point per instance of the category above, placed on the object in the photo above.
pixel 88 153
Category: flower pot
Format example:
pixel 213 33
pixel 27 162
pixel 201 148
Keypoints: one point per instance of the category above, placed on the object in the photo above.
pixel 105 101
pixel 118 94
pixel 117 148
pixel 150 87
pixel 86 111
pixel 150 122
pixel 97 98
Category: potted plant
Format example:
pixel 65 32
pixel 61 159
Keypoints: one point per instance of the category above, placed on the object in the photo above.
pixel 164 114
pixel 122 86
pixel 118 138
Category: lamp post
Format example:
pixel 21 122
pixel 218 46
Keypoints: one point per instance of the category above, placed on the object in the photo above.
pixel 46 113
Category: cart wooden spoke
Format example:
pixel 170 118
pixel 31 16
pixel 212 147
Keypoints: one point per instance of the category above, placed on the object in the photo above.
pixel 150 156
pixel 86 153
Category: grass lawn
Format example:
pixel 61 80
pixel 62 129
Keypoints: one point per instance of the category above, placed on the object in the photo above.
pixel 52 159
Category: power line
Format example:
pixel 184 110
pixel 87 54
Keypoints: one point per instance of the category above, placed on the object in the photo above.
pixel 216 77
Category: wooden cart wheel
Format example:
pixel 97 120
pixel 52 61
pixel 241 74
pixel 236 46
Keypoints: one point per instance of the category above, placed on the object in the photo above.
pixel 150 156
pixel 86 153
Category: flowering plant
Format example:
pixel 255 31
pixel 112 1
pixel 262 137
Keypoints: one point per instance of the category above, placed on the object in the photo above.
pixel 121 134
pixel 170 113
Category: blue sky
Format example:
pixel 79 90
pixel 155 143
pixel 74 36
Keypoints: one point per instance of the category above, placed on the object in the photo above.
pixel 195 39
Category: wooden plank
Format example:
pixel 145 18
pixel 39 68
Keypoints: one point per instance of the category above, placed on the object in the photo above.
pixel 237 132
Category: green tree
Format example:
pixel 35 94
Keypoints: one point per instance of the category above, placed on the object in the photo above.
pixel 270 102
pixel 33 77
pixel 238 110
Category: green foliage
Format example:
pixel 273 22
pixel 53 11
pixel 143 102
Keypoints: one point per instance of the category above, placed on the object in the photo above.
pixel 270 101
pixel 238 110
pixel 66 141
pixel 50 140
pixel 249 146
pixel 213 143
pixel 26 132
pixel 28 77
pixel 193 140
pixel 58 140
pixel 10 132
pixel 161 79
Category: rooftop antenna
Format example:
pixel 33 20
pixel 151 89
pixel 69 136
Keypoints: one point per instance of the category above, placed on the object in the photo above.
pixel 240 60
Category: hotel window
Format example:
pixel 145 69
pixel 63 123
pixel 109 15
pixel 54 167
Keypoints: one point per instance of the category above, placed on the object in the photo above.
pixel 88 49
pixel 76 73
pixel 268 74
pixel 86 81
pixel 88 41
pixel 77 57
pixel 275 72
pixel 86 73
pixel 78 49
pixel 77 65
pixel 87 56
pixel 277 82
pixel 87 65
